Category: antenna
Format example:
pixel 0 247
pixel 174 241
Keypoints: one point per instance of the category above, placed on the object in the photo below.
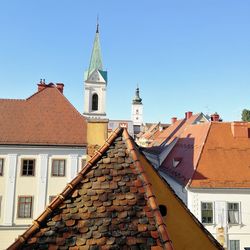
pixel 97 24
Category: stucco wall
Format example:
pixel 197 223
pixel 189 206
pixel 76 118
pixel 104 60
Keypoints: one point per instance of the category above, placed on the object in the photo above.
pixel 40 186
pixel 220 198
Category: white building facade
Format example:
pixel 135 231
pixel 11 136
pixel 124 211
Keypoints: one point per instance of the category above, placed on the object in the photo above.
pixel 30 178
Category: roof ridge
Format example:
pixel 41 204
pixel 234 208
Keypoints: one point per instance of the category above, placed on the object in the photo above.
pixel 161 227
pixel 67 190
pixel 11 99
pixel 36 93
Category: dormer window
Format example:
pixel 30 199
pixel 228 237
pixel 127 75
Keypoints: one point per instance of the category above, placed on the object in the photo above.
pixel 95 102
pixel 176 161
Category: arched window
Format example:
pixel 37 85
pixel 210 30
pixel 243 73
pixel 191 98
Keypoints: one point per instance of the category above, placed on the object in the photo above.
pixel 95 102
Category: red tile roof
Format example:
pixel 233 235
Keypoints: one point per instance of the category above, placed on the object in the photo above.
pixel 187 152
pixel 225 159
pixel 45 118
pixel 173 130
pixel 211 157
pixel 108 205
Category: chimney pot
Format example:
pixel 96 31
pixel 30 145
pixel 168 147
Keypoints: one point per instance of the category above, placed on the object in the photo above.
pixel 215 117
pixel 188 114
pixel 41 85
pixel 173 120
pixel 60 87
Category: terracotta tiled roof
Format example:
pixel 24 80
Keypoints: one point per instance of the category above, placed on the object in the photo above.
pixel 225 159
pixel 210 157
pixel 45 118
pixel 168 134
pixel 186 153
pixel 108 205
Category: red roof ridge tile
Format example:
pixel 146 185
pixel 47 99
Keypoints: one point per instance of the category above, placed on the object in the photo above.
pixel 11 99
pixel 149 193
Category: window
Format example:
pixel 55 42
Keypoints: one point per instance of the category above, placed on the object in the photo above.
pixel 234 245
pixel 24 207
pixel 51 198
pixel 95 102
pixel 163 210
pixel 58 168
pixel 233 213
pixel 0 205
pixel 1 166
pixel 28 167
pixel 207 212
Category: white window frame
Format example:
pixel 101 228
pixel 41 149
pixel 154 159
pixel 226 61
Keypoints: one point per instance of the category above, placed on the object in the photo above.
pixel 2 166
pixel 230 244
pixel 213 209
pixel 52 168
pixel 240 219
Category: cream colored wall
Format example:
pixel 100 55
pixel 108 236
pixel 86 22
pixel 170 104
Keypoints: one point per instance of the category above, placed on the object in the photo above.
pixel 2 188
pixel 30 185
pixel 7 236
pixel 25 186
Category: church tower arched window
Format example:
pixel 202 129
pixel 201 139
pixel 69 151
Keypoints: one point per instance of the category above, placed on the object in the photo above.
pixel 95 102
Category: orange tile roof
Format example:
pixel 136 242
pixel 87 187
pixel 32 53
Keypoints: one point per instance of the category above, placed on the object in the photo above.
pixel 45 118
pixel 187 152
pixel 225 160
pixel 108 205
pixel 173 130
pixel 210 157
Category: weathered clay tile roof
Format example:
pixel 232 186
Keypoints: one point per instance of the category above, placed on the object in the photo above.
pixel 45 118
pixel 108 205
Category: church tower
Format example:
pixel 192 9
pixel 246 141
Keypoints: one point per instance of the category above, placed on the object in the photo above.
pixel 95 84
pixel 137 111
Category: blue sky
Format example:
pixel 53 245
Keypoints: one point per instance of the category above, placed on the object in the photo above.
pixel 184 54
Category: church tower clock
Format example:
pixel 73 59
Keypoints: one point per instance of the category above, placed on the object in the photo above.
pixel 95 84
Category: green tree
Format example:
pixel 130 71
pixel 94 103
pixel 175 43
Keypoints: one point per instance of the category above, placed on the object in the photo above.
pixel 245 115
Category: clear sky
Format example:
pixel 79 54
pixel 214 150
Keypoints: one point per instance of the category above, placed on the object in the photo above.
pixel 184 54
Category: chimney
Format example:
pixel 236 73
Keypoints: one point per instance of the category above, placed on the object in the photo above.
pixel 60 86
pixel 239 129
pixel 173 120
pixel 188 114
pixel 215 117
pixel 41 85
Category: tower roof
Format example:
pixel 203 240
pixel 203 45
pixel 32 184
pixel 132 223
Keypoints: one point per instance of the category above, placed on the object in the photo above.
pixel 137 99
pixel 96 58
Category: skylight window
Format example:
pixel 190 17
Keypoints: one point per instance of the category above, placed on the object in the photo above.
pixel 176 161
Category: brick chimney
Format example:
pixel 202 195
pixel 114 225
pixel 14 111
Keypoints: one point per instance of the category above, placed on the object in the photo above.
pixel 41 85
pixel 188 114
pixel 173 120
pixel 215 117
pixel 239 129
pixel 60 87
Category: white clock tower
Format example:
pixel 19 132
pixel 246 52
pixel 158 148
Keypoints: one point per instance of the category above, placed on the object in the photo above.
pixel 95 84
pixel 137 111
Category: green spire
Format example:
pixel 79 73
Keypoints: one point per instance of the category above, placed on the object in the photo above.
pixel 137 99
pixel 96 58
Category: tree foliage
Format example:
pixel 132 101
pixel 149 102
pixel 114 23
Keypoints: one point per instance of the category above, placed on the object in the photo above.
pixel 245 115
